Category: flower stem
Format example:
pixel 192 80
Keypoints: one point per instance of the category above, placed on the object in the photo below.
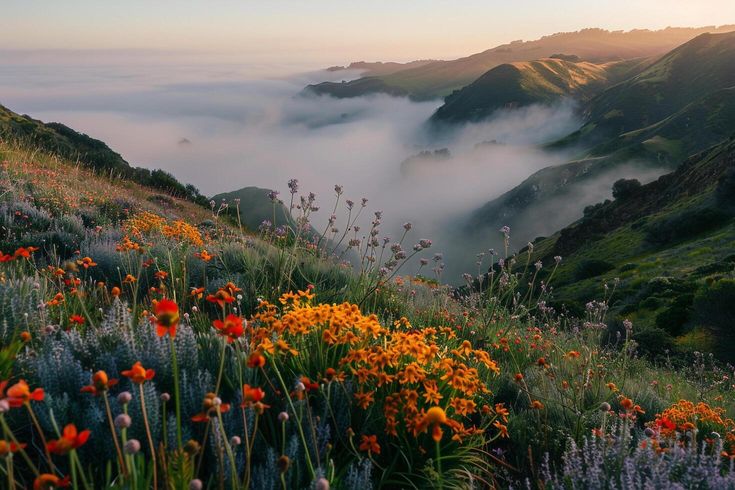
pixel 177 397
pixel 148 434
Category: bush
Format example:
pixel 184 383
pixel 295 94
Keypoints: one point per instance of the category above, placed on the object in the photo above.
pixel 675 316
pixel 685 225
pixel 592 268
pixel 714 305
pixel 625 188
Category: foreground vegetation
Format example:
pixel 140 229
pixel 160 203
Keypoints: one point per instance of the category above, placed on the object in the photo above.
pixel 150 342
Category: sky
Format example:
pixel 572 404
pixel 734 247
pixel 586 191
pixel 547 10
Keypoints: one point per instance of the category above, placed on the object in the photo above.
pixel 318 32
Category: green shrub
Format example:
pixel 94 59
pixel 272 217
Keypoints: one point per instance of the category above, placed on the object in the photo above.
pixel 675 316
pixel 592 268
pixel 714 305
pixel 685 225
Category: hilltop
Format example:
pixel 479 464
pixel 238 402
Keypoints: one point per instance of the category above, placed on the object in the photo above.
pixel 440 78
pixel 523 83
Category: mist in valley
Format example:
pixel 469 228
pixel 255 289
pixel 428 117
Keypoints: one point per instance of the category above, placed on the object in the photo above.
pixel 225 127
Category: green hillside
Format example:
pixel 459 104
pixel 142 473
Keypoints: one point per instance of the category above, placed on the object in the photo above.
pixel 255 207
pixel 694 70
pixel 680 105
pixel 524 83
pixel 668 242
pixel 64 142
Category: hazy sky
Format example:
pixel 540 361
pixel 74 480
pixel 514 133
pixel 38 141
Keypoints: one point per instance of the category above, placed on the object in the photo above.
pixel 326 31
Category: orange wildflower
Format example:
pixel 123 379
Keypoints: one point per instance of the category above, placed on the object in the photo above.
pixel 370 444
pixel 20 393
pixel 9 447
pixel 48 481
pixel 86 262
pixel 70 439
pixel 231 328
pixel 167 317
pixel 209 404
pixel 251 395
pixel 256 360
pixel 221 297
pixel 76 319
pixel 100 383
pixel 138 374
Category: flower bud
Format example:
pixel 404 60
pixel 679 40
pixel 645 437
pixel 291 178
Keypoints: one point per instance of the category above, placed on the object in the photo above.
pixel 235 441
pixel 196 484
pixel 123 421
pixel 322 484
pixel 165 397
pixel 132 446
pixel 124 398
pixel 605 407
pixel 192 447
pixel 649 432
pixel 283 417
pixel 283 463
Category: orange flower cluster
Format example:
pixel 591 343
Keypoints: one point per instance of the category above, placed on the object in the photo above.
pixel 21 253
pixel 147 223
pixel 409 370
pixel 686 416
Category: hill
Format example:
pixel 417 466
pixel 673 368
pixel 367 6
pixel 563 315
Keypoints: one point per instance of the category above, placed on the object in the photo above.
pixel 64 142
pixel 684 75
pixel 256 207
pixel 440 78
pixel 663 240
pixel 529 82
pixel 642 127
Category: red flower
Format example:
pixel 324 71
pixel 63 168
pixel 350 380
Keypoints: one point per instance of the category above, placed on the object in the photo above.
pixel 9 447
pixel 308 384
pixel 100 383
pixel 138 374
pixel 47 481
pixel 70 439
pixel 20 393
pixel 231 327
pixel 221 297
pixel 167 317
pixel 76 319
pixel 251 395
pixel 665 423
pixel 24 253
pixel 256 360
pixel 370 444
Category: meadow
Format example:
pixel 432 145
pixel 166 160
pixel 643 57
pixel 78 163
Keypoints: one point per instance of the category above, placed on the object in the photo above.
pixel 151 342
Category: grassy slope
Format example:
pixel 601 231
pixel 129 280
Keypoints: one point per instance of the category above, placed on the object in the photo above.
pixel 256 206
pixel 620 232
pixel 69 186
pixel 522 83
pixel 680 105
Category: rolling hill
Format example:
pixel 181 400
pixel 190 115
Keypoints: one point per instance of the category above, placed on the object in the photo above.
pixel 255 207
pixel 661 240
pixel 530 82
pixel 440 78
pixel 643 126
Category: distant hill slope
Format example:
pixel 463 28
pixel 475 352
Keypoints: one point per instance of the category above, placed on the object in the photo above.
pixel 680 105
pixel 440 78
pixel 689 72
pixel 255 207
pixel 64 142
pixel 660 240
pixel 378 68
pixel 529 82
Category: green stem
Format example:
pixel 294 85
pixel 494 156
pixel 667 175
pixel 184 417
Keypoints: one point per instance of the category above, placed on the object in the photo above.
pixel 177 397
pixel 298 422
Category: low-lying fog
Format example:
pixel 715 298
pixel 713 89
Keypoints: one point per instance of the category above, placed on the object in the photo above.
pixel 222 128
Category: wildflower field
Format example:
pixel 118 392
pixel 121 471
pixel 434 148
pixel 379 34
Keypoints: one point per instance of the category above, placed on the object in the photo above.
pixel 150 342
